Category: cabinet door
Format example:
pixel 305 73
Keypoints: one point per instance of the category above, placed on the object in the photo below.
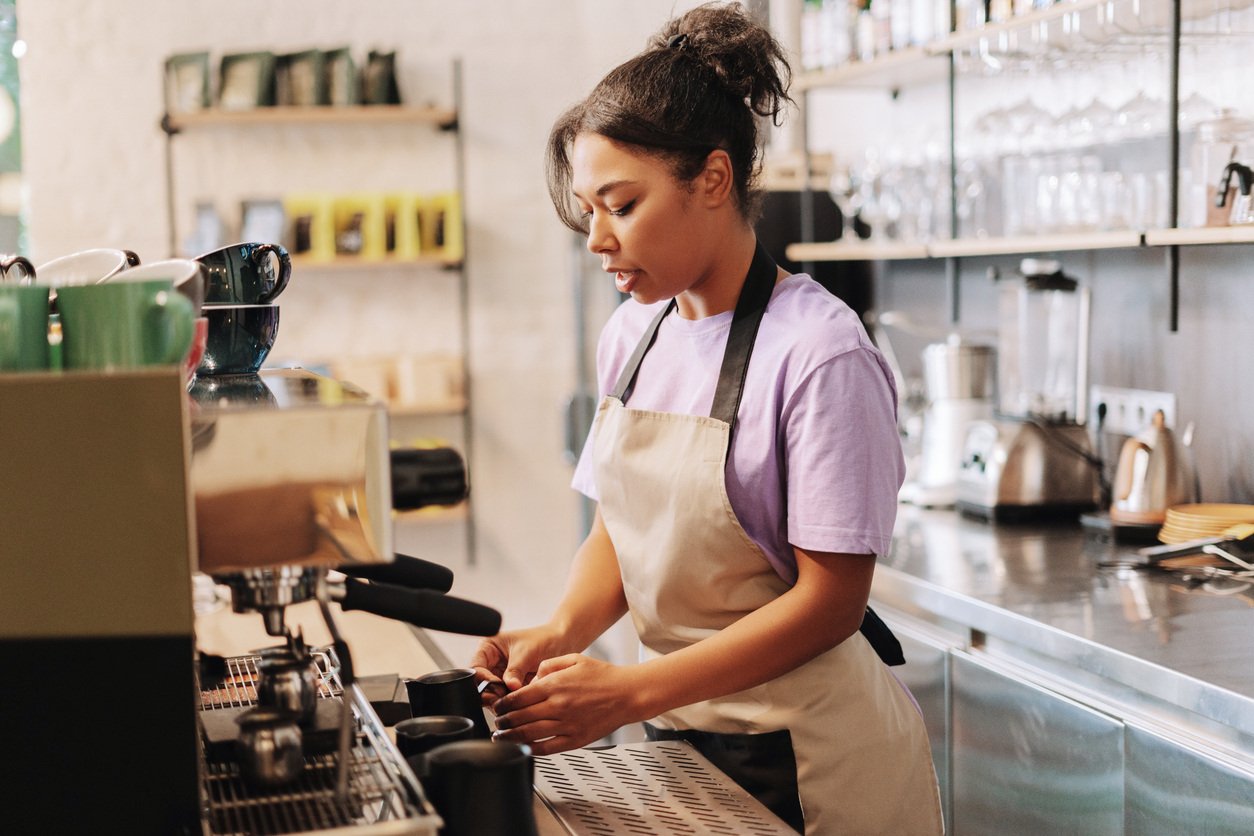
pixel 1173 788
pixel 1028 760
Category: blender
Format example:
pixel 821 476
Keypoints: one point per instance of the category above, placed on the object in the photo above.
pixel 1034 459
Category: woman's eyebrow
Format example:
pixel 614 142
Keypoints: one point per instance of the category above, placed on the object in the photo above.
pixel 605 188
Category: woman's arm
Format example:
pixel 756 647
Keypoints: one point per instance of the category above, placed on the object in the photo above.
pixel 594 597
pixel 575 700
pixel 592 602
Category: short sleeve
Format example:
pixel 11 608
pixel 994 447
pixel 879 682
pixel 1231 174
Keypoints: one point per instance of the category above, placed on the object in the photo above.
pixel 843 456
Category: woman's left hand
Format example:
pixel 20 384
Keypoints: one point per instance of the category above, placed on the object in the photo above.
pixel 574 700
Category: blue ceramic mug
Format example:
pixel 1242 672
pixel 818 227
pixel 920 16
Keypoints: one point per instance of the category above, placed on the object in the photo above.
pixel 245 274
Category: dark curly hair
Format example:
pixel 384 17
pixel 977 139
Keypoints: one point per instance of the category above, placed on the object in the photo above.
pixel 700 84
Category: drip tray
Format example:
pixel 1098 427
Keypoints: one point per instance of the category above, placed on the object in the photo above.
pixel 659 787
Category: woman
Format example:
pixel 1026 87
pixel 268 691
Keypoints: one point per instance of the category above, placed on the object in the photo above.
pixel 745 463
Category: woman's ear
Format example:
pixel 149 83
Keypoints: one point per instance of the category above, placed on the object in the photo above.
pixel 715 183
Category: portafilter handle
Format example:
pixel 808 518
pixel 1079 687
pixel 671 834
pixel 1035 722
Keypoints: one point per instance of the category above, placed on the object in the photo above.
pixel 427 476
pixel 420 607
pixel 406 571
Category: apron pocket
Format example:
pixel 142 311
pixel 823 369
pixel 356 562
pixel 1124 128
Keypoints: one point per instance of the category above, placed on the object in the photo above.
pixel 762 764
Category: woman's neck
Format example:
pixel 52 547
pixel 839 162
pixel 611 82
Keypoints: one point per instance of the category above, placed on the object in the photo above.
pixel 718 288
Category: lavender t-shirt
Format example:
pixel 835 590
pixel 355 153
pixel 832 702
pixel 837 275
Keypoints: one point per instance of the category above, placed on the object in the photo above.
pixel 816 461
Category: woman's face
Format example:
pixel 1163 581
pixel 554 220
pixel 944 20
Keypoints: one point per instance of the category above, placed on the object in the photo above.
pixel 646 226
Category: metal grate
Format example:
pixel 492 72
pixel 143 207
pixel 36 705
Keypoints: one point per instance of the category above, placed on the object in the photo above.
pixel 663 787
pixel 382 795
pixel 239 687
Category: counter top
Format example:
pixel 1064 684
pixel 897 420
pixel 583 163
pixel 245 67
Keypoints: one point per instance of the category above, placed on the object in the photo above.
pixel 1041 587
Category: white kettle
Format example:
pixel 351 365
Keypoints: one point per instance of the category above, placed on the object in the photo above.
pixel 1153 474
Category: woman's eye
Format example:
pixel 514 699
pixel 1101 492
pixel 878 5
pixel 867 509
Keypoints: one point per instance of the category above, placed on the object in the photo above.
pixel 624 210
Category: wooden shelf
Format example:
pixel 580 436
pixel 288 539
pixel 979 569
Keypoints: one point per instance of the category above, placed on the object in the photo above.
pixel 352 264
pixel 856 251
pixel 1069 242
pixel 1207 235
pixel 434 515
pixel 912 65
pixel 365 114
pixel 453 406
pixel 966 247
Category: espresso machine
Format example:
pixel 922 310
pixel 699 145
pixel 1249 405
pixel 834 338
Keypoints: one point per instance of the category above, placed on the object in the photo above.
pixel 116 491
pixel 1034 458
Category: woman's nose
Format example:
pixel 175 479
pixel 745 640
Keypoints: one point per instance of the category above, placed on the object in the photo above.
pixel 600 239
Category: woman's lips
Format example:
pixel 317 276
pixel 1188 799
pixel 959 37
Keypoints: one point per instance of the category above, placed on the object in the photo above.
pixel 625 281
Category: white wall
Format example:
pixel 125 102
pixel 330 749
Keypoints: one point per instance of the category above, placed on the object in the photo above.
pixel 95 167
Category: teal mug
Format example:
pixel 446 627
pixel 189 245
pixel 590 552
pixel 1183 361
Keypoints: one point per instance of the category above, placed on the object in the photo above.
pixel 123 324
pixel 23 327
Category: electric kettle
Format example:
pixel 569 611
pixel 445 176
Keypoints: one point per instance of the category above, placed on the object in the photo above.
pixel 1153 474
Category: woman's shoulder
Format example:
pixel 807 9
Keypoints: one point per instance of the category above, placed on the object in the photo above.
pixel 803 316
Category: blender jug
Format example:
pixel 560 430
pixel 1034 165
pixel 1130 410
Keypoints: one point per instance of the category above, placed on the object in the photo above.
pixel 1043 345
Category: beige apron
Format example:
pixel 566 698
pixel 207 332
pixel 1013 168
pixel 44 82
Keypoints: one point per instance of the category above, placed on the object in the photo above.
pixel 863 764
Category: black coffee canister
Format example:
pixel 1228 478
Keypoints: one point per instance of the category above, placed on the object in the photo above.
pixel 482 788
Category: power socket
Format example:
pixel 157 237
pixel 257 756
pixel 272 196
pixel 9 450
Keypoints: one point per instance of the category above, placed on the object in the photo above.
pixel 1128 411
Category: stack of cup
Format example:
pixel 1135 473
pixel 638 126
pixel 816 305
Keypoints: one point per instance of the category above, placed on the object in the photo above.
pixel 241 283
pixel 187 277
pixel 92 310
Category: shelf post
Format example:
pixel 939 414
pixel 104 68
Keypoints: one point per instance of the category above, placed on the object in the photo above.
pixel 464 288
pixel 1173 160
pixel 953 265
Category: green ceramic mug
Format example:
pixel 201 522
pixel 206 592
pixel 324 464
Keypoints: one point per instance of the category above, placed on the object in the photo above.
pixel 123 324
pixel 23 327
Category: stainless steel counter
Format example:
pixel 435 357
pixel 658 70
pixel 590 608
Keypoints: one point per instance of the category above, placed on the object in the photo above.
pixel 1040 590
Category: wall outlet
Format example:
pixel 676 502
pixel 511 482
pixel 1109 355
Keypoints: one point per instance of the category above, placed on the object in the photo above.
pixel 1128 411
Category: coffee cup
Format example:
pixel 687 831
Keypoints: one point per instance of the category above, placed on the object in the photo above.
pixel 16 268
pixel 482 788
pixel 240 338
pixel 448 692
pixel 85 267
pixel 123 324
pixel 245 273
pixel 188 277
pixel 23 328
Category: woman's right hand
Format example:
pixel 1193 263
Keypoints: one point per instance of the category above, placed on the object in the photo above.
pixel 509 660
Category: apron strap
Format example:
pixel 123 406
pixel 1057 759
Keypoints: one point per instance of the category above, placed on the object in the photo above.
pixel 754 295
pixel 758 287
pixel 627 378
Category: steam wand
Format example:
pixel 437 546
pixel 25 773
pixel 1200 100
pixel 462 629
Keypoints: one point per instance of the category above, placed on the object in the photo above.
pixel 346 684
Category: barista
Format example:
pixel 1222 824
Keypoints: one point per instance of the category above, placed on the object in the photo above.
pixel 745 462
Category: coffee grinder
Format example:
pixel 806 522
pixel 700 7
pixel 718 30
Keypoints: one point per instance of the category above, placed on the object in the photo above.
pixel 1034 459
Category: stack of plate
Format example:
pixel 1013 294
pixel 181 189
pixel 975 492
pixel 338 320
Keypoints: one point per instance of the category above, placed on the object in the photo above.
pixel 1195 522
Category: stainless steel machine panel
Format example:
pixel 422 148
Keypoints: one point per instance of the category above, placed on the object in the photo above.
pixel 1174 788
pixel 289 468
pixel 1027 760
